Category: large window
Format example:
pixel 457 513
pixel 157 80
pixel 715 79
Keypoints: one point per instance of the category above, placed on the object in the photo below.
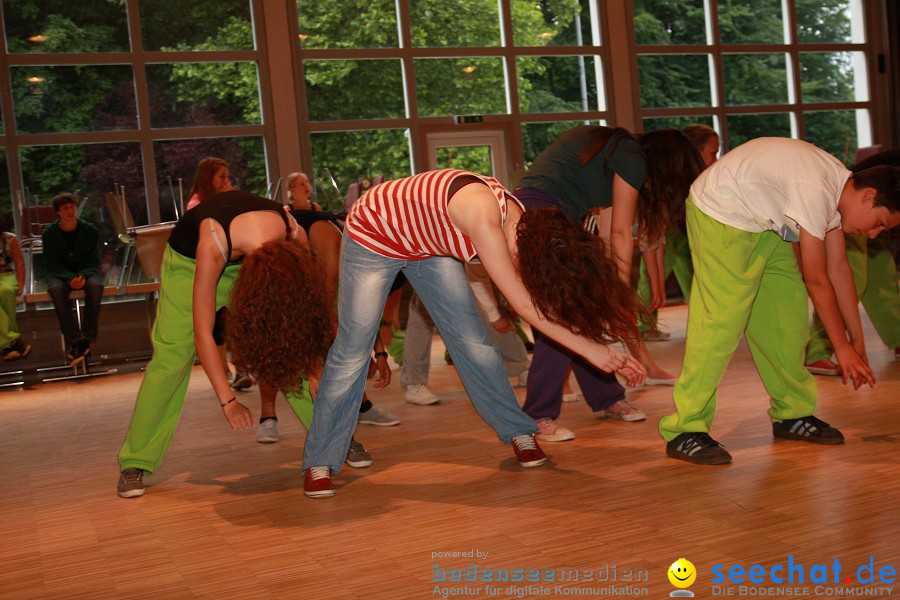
pixel 93 110
pixel 753 68
pixel 376 72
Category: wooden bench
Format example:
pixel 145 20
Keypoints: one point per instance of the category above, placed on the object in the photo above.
pixel 124 342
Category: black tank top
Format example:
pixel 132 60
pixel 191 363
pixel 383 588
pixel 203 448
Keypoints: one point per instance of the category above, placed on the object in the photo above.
pixel 307 218
pixel 223 207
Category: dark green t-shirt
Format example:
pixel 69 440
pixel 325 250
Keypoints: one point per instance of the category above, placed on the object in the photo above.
pixel 579 189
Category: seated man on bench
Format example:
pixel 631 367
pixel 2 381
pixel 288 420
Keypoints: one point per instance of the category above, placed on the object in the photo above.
pixel 71 248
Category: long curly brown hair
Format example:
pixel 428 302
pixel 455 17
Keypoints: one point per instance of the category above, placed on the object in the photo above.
pixel 673 163
pixel 280 315
pixel 572 280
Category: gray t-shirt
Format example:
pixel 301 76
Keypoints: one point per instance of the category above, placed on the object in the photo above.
pixel 578 189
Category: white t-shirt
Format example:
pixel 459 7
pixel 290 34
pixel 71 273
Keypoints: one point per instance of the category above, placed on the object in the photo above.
pixel 774 184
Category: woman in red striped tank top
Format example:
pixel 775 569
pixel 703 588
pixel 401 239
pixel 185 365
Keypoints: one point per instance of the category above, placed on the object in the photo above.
pixel 425 226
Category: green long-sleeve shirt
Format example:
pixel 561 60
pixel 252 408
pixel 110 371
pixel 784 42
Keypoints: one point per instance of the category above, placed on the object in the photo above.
pixel 65 264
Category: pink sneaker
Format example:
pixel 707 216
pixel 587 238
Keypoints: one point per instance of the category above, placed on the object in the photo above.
pixel 527 451
pixel 550 431
pixel 623 410
pixel 824 367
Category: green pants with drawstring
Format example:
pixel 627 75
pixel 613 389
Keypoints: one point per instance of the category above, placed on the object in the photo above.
pixel 744 284
pixel 875 276
pixel 161 395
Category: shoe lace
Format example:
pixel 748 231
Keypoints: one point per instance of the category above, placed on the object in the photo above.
pixel 525 442
pixel 320 472
pixel 131 475
pixel 624 406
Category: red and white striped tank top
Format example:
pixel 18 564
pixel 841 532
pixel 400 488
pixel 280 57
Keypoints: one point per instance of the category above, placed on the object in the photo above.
pixel 408 219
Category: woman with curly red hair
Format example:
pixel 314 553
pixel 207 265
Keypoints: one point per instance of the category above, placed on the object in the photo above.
pixel 643 180
pixel 424 226
pixel 201 264
pixel 323 231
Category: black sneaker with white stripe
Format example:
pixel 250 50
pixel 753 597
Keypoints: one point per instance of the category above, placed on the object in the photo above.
pixel 807 429
pixel 698 448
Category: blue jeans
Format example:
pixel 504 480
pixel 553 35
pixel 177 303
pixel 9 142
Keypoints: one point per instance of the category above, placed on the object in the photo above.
pixel 441 285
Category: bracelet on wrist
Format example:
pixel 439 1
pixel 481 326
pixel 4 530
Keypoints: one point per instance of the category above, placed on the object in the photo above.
pixel 384 354
pixel 227 403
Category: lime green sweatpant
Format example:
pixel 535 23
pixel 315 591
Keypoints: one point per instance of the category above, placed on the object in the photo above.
pixel 744 284
pixel 161 395
pixel 875 276
pixel 9 328
pixel 677 259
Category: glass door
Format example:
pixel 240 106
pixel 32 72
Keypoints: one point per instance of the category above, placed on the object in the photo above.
pixel 481 151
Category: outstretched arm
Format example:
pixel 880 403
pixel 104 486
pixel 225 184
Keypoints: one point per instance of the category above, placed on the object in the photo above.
pixel 829 280
pixel 210 263
pixel 478 216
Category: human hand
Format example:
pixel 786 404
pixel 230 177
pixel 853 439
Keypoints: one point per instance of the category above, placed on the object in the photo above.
pixel 76 283
pixel 859 345
pixel 313 383
pixel 854 368
pixel 502 325
pixel 626 366
pixel 238 415
pixel 384 372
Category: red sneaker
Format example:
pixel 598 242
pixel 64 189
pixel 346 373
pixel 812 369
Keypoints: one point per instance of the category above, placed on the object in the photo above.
pixel 527 451
pixel 317 483
pixel 824 367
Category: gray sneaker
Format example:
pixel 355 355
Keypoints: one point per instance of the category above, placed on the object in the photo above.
pixel 376 416
pixel 131 483
pixel 267 432
pixel 241 381
pixel 357 457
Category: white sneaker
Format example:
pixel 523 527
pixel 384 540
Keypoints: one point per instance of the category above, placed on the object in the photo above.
pixel 267 432
pixel 420 394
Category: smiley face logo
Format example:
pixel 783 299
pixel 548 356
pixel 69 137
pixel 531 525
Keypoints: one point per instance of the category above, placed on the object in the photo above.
pixel 682 573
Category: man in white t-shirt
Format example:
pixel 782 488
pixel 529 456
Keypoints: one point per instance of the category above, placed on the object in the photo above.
pixel 748 281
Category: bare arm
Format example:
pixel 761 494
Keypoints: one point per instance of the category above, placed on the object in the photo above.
pixel 624 205
pixel 829 281
pixel 478 216
pixel 653 260
pixel 210 263
pixel 483 290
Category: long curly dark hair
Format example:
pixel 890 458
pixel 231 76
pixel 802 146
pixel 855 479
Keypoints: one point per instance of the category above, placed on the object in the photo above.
pixel 280 315
pixel 572 280
pixel 673 163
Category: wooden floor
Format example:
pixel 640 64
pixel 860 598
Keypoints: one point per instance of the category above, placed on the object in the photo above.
pixel 225 517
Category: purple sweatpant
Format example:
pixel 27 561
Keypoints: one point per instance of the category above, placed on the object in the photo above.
pixel 551 361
